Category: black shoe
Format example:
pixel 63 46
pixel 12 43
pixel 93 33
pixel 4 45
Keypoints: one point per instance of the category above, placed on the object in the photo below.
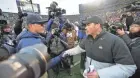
pixel 69 72
pixel 72 63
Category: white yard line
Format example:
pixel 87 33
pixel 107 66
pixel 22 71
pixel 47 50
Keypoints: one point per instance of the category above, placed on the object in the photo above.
pixel 75 64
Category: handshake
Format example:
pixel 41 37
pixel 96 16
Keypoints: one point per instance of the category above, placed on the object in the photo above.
pixel 63 55
pixel 54 61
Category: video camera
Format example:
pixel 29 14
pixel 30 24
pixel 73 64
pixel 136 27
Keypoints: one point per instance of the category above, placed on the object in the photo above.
pixel 30 62
pixel 20 15
pixel 113 28
pixel 54 11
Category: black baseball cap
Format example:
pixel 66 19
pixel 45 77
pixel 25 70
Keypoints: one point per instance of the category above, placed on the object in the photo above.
pixel 93 19
pixel 35 19
pixel 136 22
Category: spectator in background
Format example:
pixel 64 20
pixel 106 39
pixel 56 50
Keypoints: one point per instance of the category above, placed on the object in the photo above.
pixel 133 42
pixel 106 26
pixel 71 37
pixel 82 35
pixel 129 20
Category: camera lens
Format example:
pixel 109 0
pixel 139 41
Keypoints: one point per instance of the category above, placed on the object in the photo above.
pixel 30 62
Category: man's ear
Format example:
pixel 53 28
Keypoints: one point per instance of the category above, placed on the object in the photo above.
pixel 98 25
pixel 31 26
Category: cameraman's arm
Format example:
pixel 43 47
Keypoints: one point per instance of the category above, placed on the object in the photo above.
pixel 61 22
pixel 52 62
pixel 50 22
pixel 18 26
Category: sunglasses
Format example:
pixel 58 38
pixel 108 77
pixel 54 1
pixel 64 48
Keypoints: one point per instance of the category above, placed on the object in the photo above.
pixel 42 25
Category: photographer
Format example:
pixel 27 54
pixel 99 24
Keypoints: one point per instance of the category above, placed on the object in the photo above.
pixel 7 46
pixel 133 42
pixel 70 35
pixel 53 13
pixel 18 24
pixel 7 39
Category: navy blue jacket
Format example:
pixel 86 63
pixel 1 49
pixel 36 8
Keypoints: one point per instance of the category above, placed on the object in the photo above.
pixel 27 38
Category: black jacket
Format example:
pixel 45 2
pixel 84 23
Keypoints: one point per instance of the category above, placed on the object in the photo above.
pixel 134 46
pixel 18 26
pixel 129 20
pixel 107 48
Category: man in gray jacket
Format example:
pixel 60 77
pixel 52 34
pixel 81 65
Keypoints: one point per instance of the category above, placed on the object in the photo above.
pixel 106 52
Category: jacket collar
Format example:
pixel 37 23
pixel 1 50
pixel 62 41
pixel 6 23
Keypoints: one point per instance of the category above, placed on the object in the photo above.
pixel 98 36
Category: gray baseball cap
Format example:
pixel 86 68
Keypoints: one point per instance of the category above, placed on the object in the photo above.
pixel 93 19
pixel 35 19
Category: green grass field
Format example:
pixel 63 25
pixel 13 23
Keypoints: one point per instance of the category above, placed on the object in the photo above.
pixel 75 70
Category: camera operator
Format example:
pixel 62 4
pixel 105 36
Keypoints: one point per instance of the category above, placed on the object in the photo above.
pixel 70 35
pixel 105 51
pixel 133 42
pixel 18 24
pixel 6 40
pixel 7 46
pixel 53 13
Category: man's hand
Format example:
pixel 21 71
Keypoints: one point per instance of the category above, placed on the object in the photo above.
pixel 120 32
pixel 92 75
pixel 64 54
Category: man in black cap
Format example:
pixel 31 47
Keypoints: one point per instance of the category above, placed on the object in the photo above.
pixel 107 53
pixel 133 42
pixel 31 35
